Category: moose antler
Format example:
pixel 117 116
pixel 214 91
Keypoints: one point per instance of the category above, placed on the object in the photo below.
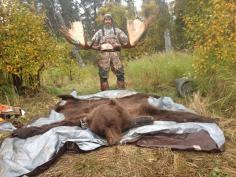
pixel 136 28
pixel 75 34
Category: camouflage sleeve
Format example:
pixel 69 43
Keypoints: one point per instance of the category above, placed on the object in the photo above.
pixel 123 38
pixel 96 37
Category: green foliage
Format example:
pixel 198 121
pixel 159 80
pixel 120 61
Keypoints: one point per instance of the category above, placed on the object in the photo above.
pixel 154 38
pixel 150 74
pixel 211 31
pixel 7 94
pixel 179 39
pixel 85 80
pixel 157 73
pixel 27 48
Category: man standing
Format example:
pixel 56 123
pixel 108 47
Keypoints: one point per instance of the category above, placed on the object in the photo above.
pixel 109 41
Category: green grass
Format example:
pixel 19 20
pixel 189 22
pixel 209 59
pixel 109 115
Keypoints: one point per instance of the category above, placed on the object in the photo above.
pixel 7 94
pixel 151 74
pixel 157 73
pixel 59 80
pixel 220 88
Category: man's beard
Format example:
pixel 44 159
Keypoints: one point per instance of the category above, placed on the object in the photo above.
pixel 107 25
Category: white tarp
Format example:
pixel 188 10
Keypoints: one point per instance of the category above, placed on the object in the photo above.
pixel 21 156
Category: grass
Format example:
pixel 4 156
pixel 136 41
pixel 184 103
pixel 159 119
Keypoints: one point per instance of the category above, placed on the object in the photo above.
pixel 125 161
pixel 157 73
pixel 151 74
pixel 154 74
pixel 84 80
pixel 219 87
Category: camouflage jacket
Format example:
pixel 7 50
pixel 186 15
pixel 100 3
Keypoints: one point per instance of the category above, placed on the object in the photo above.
pixel 110 39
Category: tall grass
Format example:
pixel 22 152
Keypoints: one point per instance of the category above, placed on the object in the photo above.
pixel 63 80
pixel 220 88
pixel 8 94
pixel 157 73
pixel 150 74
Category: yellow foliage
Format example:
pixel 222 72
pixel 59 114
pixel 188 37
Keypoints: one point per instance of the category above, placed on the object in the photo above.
pixel 26 46
pixel 212 30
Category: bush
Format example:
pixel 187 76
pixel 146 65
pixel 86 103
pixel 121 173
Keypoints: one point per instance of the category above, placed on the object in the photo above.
pixel 27 48
pixel 210 27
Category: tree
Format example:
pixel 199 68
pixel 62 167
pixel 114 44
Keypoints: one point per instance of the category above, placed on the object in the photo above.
pixel 210 28
pixel 27 48
pixel 61 12
pixel 52 10
pixel 88 14
pixel 178 26
pixel 154 38
pixel 131 7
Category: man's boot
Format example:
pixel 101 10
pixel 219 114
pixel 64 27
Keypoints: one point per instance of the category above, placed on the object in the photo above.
pixel 104 86
pixel 120 84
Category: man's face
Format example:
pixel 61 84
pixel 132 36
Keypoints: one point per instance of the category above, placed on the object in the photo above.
pixel 108 21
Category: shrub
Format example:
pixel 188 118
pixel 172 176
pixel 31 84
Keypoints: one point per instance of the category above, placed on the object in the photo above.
pixel 27 48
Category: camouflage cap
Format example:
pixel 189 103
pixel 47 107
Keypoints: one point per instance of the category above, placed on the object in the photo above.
pixel 108 15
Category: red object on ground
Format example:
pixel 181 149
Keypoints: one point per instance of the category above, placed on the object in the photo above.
pixel 5 108
pixel 9 110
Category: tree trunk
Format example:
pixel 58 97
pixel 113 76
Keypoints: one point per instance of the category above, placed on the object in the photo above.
pixel 17 82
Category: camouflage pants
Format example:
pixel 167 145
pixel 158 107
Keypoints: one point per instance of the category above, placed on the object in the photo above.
pixel 110 60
